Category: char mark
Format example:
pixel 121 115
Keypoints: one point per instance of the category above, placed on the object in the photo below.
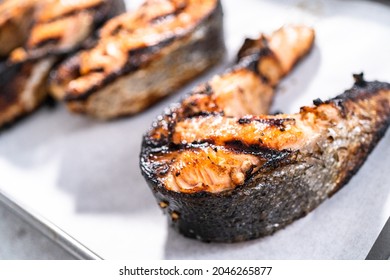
pixel 232 145
pixel 257 150
pixel 191 115
pixel 318 102
pixel 148 50
pixel 166 16
pixel 100 10
pixel 360 90
pixel 47 41
pixel 250 55
pixel 136 58
pixel 276 122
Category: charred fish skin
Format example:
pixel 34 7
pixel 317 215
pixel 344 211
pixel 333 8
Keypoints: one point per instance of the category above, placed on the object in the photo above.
pixel 22 89
pixel 290 182
pixel 152 63
pixel 24 73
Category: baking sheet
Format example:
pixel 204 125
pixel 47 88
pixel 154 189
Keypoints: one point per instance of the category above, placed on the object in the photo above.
pixel 19 240
pixel 62 242
pixel 83 175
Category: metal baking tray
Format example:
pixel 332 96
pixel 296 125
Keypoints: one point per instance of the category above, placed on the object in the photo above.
pixel 83 175
pixel 47 228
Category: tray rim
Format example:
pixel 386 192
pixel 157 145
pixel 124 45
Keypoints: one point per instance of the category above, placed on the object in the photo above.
pixel 48 228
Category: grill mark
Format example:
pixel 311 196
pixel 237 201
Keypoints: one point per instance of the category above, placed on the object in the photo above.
pixel 151 48
pixel 257 150
pixel 100 14
pixel 270 158
pixel 202 114
pixel 274 157
pixel 94 9
pixel 280 123
pixel 118 28
pixel 250 55
pixel 235 146
pixel 252 61
pixel 251 46
pixel 206 89
pixel 140 57
pixel 177 11
pixel 136 58
pixel 46 41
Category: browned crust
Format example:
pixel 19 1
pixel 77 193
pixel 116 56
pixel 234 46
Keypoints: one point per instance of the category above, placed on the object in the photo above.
pixel 23 76
pixel 138 57
pixel 248 75
pixel 61 27
pixel 265 135
pixel 288 187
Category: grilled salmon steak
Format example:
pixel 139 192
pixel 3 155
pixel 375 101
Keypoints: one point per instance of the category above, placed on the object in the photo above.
pixel 58 27
pixel 142 56
pixel 229 179
pixel 204 158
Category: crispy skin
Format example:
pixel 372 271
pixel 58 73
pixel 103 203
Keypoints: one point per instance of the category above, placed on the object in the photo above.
pixel 16 17
pixel 141 57
pixel 200 156
pixel 59 27
pixel 284 166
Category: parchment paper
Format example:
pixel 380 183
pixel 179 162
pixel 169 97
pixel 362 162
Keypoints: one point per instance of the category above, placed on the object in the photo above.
pixel 83 174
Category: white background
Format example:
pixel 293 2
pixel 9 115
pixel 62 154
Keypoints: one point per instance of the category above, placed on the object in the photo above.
pixel 281 270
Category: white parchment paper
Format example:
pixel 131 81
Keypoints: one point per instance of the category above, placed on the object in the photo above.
pixel 83 175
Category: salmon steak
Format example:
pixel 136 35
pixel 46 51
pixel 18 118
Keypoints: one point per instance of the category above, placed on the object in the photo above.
pixel 141 57
pixel 225 171
pixel 43 33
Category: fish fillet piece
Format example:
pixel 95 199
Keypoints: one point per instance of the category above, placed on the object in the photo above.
pixel 142 56
pixel 229 179
pixel 59 28
pixel 202 153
